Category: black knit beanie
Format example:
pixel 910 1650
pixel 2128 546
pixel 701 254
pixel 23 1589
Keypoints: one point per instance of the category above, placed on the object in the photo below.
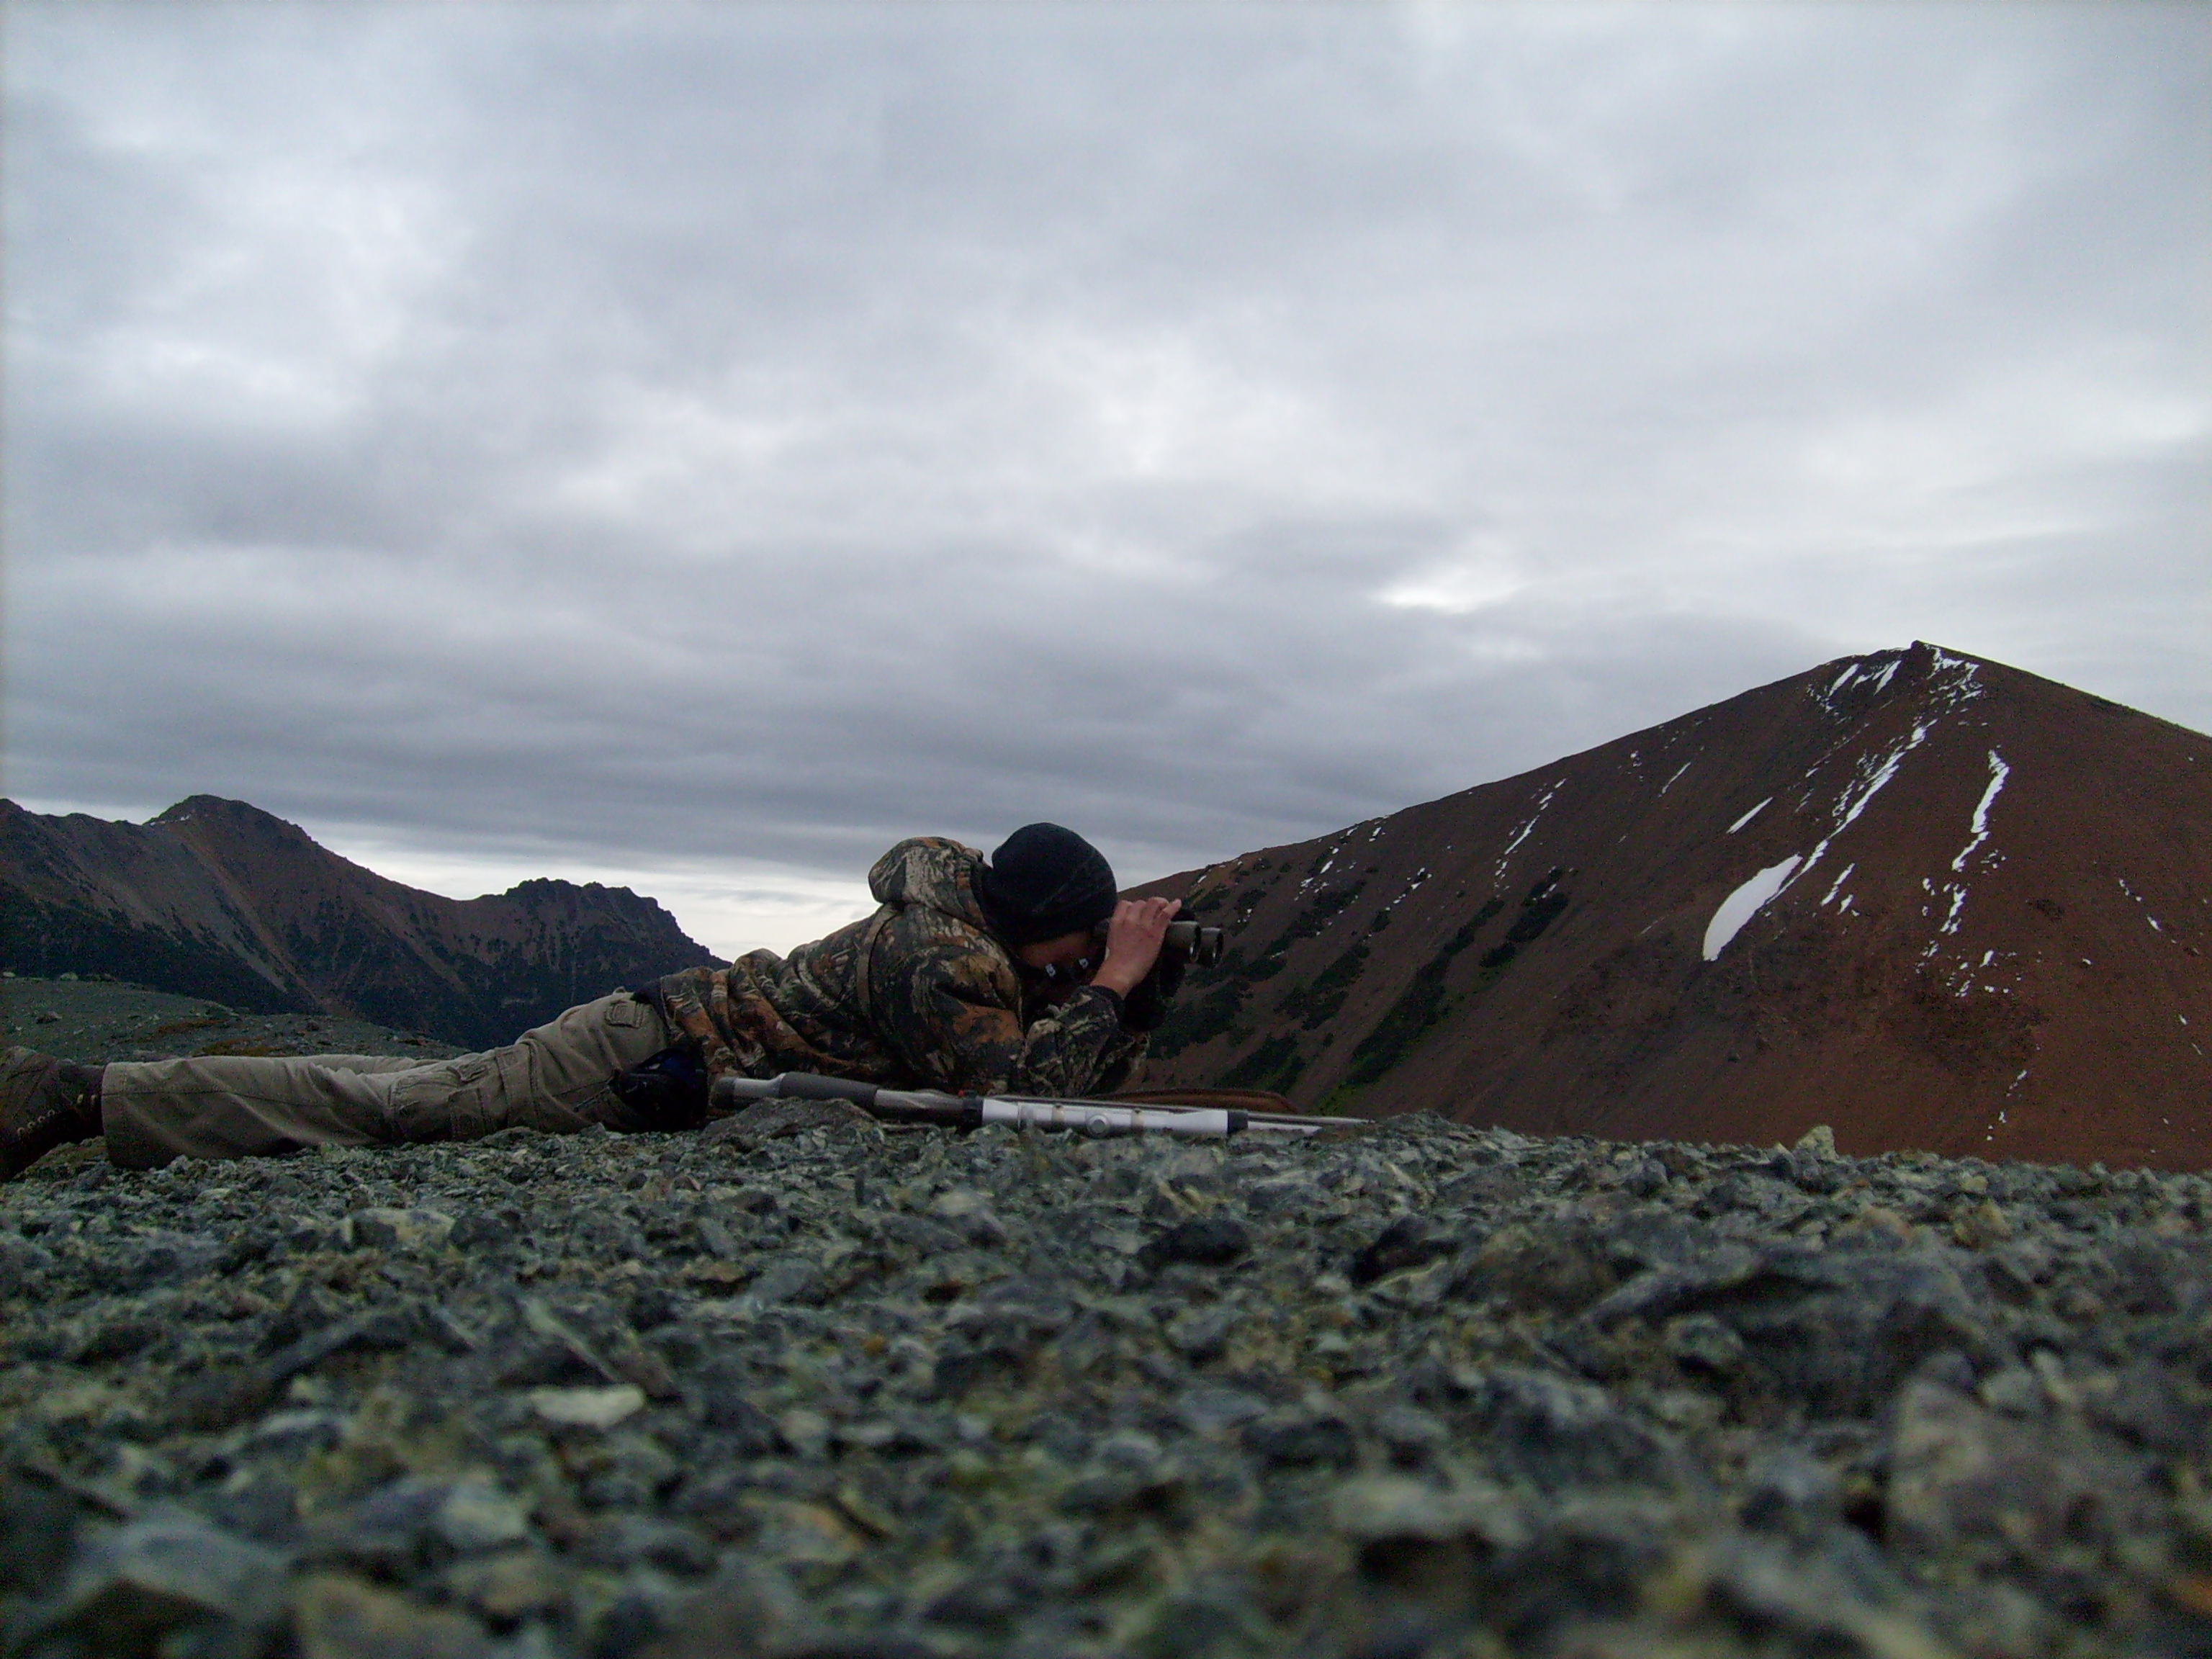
pixel 1045 881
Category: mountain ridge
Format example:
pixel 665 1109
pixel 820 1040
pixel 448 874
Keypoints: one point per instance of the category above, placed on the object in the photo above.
pixel 1930 900
pixel 218 898
pixel 1983 935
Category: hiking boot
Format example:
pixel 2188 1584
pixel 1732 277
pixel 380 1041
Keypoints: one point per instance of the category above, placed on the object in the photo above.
pixel 44 1102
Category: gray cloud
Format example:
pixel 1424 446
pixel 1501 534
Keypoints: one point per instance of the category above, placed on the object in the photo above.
pixel 633 437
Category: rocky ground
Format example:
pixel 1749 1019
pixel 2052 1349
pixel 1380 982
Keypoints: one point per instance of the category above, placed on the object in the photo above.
pixel 807 1386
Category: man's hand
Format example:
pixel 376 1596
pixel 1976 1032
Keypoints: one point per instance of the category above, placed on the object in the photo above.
pixel 1133 938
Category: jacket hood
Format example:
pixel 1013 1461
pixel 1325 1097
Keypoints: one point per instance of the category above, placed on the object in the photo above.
pixel 929 869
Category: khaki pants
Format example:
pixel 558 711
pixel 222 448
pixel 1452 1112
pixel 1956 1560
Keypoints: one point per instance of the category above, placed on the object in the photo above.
pixel 556 1077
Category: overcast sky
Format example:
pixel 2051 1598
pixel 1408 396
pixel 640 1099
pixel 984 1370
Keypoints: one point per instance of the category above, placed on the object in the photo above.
pixel 693 447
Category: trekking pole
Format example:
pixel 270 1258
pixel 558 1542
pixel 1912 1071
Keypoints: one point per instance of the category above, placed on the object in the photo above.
pixel 1094 1118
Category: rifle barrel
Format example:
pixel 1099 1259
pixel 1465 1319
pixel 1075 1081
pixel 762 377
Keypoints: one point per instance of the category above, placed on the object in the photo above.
pixel 1095 1118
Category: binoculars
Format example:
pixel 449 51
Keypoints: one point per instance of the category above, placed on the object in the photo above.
pixel 1199 944
pixel 1186 943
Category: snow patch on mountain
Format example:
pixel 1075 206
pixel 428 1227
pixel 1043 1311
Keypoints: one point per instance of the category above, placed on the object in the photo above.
pixel 1980 825
pixel 1752 814
pixel 1742 905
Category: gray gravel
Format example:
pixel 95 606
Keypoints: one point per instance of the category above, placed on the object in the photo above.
pixel 783 1389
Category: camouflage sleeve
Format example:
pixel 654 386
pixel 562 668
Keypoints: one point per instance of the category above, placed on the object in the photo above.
pixel 1079 1048
pixel 952 1012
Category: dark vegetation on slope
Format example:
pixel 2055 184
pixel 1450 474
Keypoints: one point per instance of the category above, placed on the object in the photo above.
pixel 45 939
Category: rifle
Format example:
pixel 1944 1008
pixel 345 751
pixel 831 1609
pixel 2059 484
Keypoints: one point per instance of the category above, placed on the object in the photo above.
pixel 1094 1118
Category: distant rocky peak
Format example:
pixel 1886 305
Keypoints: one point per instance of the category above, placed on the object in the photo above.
pixel 1923 897
pixel 215 815
pixel 218 898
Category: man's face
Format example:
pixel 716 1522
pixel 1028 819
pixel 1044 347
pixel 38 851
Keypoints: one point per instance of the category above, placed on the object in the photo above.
pixel 1073 957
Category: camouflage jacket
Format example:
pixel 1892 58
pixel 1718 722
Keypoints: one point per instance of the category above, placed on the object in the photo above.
pixel 919 995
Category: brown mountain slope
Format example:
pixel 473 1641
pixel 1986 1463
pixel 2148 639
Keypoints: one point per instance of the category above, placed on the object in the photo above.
pixel 217 898
pixel 1986 932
